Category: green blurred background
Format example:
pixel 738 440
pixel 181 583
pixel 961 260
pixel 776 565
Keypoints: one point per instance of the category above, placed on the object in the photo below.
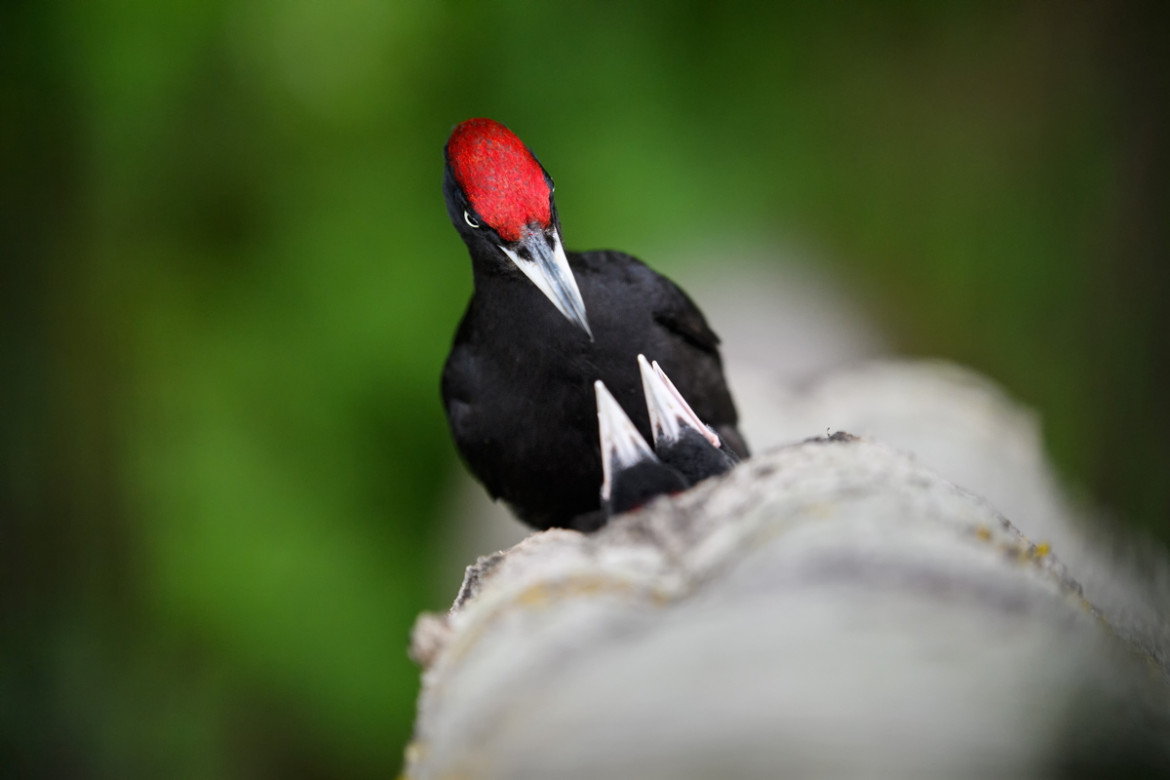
pixel 228 286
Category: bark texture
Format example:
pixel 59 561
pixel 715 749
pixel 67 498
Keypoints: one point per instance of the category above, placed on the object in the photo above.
pixel 829 608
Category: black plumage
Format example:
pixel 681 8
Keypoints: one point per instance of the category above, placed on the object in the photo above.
pixel 518 384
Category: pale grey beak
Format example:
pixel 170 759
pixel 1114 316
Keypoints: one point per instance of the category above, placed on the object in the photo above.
pixel 541 257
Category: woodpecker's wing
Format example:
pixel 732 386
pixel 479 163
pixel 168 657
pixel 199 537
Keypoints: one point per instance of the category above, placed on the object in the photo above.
pixel 678 313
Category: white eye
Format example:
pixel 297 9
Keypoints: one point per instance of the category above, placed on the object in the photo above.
pixel 467 218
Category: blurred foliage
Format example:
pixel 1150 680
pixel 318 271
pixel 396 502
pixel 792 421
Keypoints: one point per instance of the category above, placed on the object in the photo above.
pixel 229 286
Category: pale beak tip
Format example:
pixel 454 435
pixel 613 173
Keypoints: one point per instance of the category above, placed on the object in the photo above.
pixel 547 266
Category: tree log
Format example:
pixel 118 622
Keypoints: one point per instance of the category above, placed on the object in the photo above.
pixel 828 608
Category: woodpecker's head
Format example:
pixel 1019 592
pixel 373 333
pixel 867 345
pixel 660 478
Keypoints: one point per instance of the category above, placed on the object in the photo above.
pixel 500 199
